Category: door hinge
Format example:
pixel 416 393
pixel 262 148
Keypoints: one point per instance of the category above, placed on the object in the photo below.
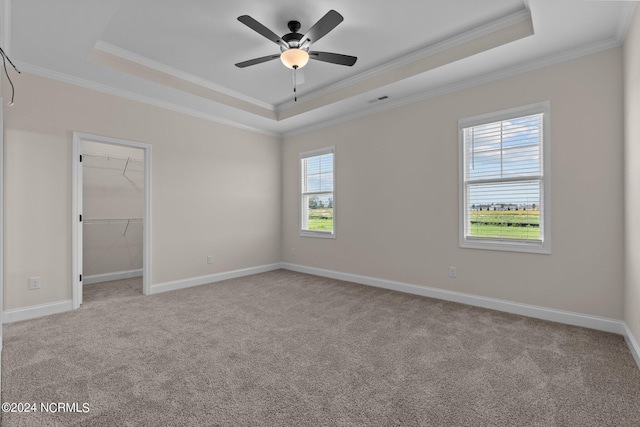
pixel 80 217
pixel 81 277
pixel 80 158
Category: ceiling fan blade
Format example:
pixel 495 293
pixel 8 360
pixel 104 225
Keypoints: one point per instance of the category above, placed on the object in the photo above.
pixel 262 30
pixel 327 23
pixel 334 58
pixel 257 61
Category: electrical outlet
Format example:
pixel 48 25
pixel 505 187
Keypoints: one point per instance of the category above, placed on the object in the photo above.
pixel 34 283
pixel 453 272
pixel 210 259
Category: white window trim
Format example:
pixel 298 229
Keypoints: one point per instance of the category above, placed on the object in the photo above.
pixel 507 244
pixel 312 233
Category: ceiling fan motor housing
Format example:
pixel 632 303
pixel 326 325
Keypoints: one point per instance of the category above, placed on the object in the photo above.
pixel 294 38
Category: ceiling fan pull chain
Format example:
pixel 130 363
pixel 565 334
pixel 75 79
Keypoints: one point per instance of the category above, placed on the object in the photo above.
pixel 295 92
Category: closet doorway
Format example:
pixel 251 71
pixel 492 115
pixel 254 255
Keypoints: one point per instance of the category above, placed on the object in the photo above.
pixel 111 213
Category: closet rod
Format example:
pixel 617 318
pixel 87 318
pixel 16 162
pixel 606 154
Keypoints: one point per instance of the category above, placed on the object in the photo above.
pixel 126 221
pixel 104 161
pixel 110 157
pixel 110 220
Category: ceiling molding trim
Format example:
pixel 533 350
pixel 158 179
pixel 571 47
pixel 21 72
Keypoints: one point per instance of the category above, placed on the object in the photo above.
pixel 453 54
pixel 87 84
pixel 537 64
pixel 158 66
pixel 430 50
pixel 5 24
pixel 627 10
pixel 118 63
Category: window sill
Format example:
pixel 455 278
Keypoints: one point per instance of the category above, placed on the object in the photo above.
pixel 318 234
pixel 506 246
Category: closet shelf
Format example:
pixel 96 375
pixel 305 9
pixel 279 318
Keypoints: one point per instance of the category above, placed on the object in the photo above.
pixel 115 163
pixel 109 221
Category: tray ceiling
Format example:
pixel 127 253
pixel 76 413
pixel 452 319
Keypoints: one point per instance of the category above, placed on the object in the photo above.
pixel 181 55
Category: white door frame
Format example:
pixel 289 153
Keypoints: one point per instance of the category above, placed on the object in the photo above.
pixel 1 228
pixel 76 211
pixel 5 33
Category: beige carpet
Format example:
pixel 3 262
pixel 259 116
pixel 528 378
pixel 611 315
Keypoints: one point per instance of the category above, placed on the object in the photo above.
pixel 284 348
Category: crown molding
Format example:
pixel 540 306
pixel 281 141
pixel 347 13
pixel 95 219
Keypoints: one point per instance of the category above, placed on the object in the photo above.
pixel 394 103
pixel 444 45
pixel 465 84
pixel 430 50
pixel 66 78
pixel 628 8
pixel 158 66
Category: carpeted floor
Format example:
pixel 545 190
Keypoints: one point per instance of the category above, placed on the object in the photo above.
pixel 284 348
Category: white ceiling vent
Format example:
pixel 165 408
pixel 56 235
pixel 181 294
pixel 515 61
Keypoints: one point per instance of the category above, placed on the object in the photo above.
pixel 381 98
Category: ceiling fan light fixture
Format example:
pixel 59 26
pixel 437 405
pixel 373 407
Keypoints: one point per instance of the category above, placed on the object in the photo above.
pixel 294 58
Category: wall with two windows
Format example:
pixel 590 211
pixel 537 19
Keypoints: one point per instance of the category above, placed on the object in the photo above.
pixel 397 193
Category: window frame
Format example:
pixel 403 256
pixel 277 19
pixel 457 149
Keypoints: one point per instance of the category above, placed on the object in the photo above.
pixel 305 155
pixel 543 247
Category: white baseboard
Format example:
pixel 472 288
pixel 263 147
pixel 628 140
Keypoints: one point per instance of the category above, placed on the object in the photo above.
pixel 633 344
pixel 107 277
pixel 554 315
pixel 561 316
pixel 26 313
pixel 210 278
pixel 538 312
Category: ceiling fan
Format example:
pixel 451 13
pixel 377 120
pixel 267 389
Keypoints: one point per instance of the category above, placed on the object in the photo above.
pixel 294 47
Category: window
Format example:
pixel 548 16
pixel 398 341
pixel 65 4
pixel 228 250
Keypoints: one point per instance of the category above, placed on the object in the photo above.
pixel 504 182
pixel 317 205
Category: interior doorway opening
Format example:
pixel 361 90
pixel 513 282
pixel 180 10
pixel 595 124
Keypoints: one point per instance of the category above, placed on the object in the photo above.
pixel 111 212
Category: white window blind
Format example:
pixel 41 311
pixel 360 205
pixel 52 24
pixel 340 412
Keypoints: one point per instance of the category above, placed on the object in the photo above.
pixel 317 204
pixel 504 182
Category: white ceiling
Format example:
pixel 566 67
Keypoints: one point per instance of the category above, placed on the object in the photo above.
pixel 197 42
